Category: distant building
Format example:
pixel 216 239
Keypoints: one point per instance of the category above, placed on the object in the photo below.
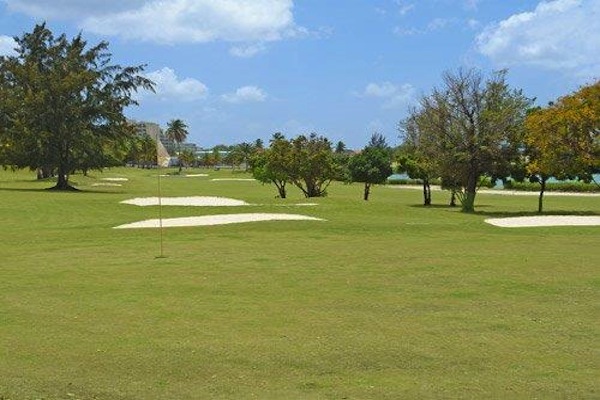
pixel 163 144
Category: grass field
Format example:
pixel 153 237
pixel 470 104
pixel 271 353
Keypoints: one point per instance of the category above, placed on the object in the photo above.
pixel 384 300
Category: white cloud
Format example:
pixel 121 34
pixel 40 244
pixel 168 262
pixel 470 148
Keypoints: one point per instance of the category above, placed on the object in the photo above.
pixel 395 96
pixel 169 86
pixel 7 45
pixel 437 24
pixel 471 4
pixel 558 35
pixel 174 21
pixel 245 94
pixel 404 7
pixel 247 51
pixel 385 89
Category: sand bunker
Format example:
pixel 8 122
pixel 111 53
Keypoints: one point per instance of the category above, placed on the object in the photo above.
pixel 193 201
pixel 545 220
pixel 107 184
pixel 183 176
pixel 222 219
pixel 114 179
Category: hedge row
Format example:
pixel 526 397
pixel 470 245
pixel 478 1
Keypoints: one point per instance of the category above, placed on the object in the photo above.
pixel 571 186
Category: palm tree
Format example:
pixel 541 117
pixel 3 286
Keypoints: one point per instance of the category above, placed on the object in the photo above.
pixel 177 132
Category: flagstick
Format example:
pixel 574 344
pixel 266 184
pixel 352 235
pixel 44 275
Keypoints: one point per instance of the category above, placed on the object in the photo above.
pixel 160 222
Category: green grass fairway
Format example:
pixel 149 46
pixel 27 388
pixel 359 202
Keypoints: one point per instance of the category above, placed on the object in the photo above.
pixel 384 300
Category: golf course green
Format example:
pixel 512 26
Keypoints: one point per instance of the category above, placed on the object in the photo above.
pixel 384 299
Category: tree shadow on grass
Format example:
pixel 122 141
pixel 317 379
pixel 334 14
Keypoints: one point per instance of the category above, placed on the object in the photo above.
pixel 508 214
pixel 486 210
pixel 53 190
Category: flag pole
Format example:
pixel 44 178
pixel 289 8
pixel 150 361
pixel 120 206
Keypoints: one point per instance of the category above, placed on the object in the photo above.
pixel 160 219
pixel 160 222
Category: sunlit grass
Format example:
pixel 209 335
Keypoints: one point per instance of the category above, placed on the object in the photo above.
pixel 386 299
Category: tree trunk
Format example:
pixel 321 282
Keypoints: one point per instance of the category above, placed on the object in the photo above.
pixel 62 182
pixel 542 190
pixel 468 204
pixel 453 198
pixel 367 191
pixel 426 193
pixel 281 189
pixel 44 172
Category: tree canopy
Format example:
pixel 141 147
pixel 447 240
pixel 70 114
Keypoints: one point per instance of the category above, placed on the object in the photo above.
pixel 471 126
pixel 62 102
pixel 372 165
pixel 177 132
pixel 563 139
pixel 305 161
pixel 273 164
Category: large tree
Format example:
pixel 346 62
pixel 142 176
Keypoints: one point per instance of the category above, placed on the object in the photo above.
pixel 475 126
pixel 177 132
pixel 373 165
pixel 563 139
pixel 313 165
pixel 62 102
pixel 273 164
pixel 416 156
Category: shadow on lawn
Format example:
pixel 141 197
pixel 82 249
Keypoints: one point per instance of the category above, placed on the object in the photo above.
pixel 506 214
pixel 481 210
pixel 52 190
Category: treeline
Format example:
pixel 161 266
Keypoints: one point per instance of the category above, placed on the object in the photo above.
pixel 62 102
pixel 475 128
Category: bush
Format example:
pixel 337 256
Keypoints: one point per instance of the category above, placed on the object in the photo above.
pixel 566 186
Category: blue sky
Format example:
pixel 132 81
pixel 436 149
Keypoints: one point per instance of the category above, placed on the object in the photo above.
pixel 238 70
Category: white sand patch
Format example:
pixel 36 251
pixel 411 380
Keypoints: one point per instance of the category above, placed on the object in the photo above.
pixel 233 179
pixel 502 192
pixel 114 179
pixel 545 220
pixel 222 219
pixel 193 201
pixel 107 184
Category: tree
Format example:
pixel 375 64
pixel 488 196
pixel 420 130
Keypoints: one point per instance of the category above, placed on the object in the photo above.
pixel 372 165
pixel 340 147
pixel 474 126
pixel 313 166
pixel 416 155
pixel 177 132
pixel 62 104
pixel 273 164
pixel 563 139
pixel 378 140
pixel 187 157
pixel 245 150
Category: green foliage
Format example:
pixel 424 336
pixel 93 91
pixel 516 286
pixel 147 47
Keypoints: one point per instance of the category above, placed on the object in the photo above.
pixel 177 132
pixel 563 139
pixel 371 166
pixel 273 164
pixel 572 186
pixel 470 127
pixel 306 162
pixel 312 166
pixel 187 158
pixel 62 103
